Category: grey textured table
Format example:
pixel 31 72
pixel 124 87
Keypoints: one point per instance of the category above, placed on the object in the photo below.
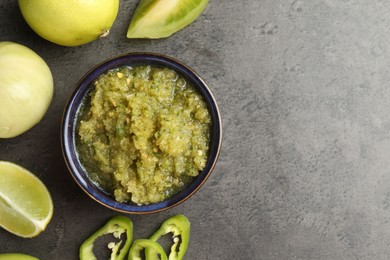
pixel 303 88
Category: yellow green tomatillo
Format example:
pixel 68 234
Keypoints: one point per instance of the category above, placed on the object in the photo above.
pixel 26 89
pixel 117 226
pixel 161 18
pixel 70 22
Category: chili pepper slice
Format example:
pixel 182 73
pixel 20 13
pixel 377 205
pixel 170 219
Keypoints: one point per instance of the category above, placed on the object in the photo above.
pixel 139 244
pixel 179 226
pixel 116 226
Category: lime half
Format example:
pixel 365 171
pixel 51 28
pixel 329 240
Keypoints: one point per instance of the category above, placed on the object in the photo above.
pixel 26 206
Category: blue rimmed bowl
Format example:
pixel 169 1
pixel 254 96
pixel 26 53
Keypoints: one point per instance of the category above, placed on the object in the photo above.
pixel 69 121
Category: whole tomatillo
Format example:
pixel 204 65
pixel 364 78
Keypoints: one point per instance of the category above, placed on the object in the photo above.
pixel 26 89
pixel 70 22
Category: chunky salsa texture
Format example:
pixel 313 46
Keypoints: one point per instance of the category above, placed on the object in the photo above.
pixel 143 133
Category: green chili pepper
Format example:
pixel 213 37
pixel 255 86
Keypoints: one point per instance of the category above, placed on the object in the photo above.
pixel 117 226
pixel 139 244
pixel 179 226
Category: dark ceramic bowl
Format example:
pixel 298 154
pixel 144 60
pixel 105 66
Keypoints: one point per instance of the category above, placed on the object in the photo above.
pixel 68 127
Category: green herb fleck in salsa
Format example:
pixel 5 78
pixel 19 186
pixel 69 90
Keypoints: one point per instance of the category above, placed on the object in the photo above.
pixel 143 133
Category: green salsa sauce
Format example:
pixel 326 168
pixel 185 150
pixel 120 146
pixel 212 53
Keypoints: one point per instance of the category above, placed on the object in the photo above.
pixel 143 133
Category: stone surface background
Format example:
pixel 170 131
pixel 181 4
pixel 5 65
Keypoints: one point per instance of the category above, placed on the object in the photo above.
pixel 303 88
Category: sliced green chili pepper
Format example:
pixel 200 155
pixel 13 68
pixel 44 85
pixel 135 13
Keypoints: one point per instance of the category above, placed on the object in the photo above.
pixel 139 244
pixel 179 226
pixel 117 226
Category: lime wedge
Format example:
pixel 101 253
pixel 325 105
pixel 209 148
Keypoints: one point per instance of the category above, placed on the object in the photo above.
pixel 14 256
pixel 26 206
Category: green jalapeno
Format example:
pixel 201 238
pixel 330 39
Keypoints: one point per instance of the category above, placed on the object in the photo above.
pixel 139 244
pixel 179 226
pixel 116 226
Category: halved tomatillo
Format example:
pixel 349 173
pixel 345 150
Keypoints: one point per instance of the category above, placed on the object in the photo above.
pixel 161 18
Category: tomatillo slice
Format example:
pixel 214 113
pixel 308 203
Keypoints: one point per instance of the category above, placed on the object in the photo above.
pixel 161 18
pixel 116 226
